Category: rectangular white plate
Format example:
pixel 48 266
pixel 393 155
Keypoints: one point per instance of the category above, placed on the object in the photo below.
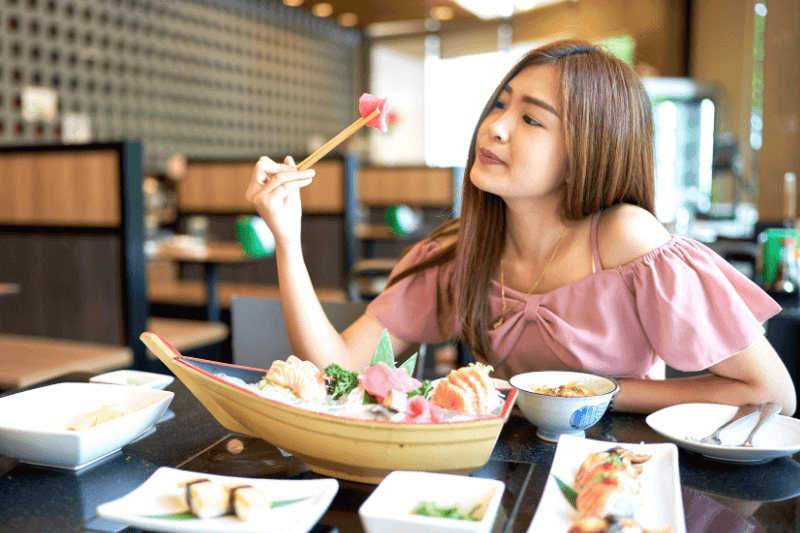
pixel 160 495
pixel 662 502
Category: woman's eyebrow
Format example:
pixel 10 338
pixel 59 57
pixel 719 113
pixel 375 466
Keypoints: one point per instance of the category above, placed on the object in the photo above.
pixel 535 101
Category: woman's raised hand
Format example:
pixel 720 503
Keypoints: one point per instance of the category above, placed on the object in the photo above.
pixel 274 191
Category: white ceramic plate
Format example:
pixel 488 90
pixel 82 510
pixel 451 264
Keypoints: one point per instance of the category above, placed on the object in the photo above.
pixel 389 507
pixel 150 380
pixel 662 501
pixel 778 437
pixel 33 423
pixel 160 496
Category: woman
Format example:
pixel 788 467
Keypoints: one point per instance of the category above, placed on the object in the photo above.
pixel 557 261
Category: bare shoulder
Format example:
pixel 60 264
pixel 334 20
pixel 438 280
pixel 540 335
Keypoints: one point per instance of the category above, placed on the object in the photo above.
pixel 626 233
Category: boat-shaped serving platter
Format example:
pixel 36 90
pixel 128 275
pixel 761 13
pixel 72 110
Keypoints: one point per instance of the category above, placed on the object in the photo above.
pixel 347 448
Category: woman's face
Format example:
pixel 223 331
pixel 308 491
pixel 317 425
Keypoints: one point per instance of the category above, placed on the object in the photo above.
pixel 520 151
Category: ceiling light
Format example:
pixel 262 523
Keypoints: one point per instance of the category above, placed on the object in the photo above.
pixel 502 8
pixel 348 19
pixel 441 12
pixel 292 3
pixel 322 10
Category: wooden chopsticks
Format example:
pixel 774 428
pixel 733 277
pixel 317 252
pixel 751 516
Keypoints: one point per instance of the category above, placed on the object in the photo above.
pixel 333 143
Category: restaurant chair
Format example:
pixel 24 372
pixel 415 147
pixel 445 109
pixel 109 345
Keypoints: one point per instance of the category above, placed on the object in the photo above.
pixel 259 334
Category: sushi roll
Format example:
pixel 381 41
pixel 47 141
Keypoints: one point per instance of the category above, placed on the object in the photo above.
pixel 249 503
pixel 206 499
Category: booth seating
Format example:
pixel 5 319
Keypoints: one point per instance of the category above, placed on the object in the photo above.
pixel 71 231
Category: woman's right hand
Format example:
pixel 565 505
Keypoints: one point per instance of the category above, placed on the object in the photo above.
pixel 274 191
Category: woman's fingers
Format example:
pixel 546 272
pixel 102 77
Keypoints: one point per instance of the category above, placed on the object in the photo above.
pixel 283 178
pixel 266 168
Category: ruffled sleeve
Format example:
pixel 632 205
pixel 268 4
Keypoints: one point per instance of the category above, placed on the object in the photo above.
pixel 408 309
pixel 694 307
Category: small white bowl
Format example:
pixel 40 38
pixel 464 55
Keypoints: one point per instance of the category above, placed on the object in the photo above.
pixel 33 423
pixel 554 416
pixel 150 380
pixel 389 506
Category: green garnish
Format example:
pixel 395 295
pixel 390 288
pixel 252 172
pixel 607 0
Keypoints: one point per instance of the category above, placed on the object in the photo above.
pixel 384 352
pixel 455 512
pixel 409 364
pixel 341 381
pixel 268 383
pixel 568 491
pixel 132 381
pixel 423 390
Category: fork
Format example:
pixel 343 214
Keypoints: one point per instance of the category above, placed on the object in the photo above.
pixel 743 412
pixel 769 410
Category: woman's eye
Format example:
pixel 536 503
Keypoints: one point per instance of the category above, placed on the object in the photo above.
pixel 530 121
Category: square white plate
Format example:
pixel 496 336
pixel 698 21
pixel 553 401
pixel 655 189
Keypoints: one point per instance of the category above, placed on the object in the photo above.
pixel 662 501
pixel 150 380
pixel 33 423
pixel 389 507
pixel 778 437
pixel 158 504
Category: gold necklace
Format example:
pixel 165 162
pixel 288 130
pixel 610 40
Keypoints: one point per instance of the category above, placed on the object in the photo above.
pixel 497 323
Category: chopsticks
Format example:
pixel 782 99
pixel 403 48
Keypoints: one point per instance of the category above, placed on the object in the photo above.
pixel 323 150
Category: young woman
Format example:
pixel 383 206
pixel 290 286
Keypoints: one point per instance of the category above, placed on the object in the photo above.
pixel 557 261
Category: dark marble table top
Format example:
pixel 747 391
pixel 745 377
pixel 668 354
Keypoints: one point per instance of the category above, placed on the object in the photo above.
pixel 718 497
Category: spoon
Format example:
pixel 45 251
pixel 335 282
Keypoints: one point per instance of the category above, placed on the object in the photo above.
pixel 743 412
pixel 769 410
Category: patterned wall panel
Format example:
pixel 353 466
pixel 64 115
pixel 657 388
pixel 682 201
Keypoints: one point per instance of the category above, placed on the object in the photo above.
pixel 216 79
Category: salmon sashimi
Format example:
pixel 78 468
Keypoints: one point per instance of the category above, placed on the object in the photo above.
pixel 617 461
pixel 467 390
pixel 302 377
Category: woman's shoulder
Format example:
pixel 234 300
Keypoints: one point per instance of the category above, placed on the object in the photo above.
pixel 627 232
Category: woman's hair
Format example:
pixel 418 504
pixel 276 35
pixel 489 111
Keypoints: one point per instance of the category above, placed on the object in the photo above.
pixel 608 132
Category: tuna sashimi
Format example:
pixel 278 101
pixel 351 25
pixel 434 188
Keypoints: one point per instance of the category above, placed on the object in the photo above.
pixel 421 411
pixel 367 104
pixel 379 379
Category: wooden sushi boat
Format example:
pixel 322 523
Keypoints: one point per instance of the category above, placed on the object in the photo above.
pixel 358 450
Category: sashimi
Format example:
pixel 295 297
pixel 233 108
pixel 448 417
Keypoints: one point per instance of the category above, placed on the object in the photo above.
pixel 367 104
pixel 466 390
pixel 302 377
pixel 421 411
pixel 379 379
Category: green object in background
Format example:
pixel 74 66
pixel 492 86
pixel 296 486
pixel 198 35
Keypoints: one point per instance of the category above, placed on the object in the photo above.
pixel 403 220
pixel 771 255
pixel 254 236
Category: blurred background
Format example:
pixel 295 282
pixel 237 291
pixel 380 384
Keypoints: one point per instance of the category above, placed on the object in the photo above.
pixel 202 88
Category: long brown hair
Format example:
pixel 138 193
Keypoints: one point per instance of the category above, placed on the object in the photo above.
pixel 608 131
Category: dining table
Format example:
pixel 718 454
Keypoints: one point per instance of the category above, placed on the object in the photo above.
pixel 210 256
pixel 718 497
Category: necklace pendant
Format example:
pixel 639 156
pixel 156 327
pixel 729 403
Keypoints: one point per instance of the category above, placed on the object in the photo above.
pixel 497 323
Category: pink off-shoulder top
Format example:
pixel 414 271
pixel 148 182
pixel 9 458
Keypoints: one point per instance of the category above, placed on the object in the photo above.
pixel 680 304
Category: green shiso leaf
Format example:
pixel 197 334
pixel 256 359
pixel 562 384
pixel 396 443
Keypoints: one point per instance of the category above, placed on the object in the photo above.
pixel 284 503
pixel 410 364
pixel 176 516
pixel 569 492
pixel 383 352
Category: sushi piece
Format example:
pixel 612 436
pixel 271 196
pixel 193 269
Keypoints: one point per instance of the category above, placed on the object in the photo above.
pixel 301 377
pixel 607 486
pixel 396 401
pixel 466 390
pixel 206 499
pixel 249 503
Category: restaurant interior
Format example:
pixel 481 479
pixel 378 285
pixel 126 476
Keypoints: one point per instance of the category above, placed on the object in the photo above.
pixel 129 130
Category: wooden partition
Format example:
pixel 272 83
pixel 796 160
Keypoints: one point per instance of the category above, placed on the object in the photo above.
pixel 220 186
pixel 415 186
pixel 71 235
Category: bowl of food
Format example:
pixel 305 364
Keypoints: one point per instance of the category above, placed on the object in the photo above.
pixel 72 425
pixel 423 502
pixel 563 403
pixel 359 440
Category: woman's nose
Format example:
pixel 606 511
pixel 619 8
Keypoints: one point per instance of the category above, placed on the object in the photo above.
pixel 499 128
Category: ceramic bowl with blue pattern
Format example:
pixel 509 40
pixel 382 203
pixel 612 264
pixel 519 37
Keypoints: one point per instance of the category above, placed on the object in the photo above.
pixel 554 416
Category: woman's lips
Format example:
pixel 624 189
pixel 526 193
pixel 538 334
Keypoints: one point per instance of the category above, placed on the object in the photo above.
pixel 487 157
